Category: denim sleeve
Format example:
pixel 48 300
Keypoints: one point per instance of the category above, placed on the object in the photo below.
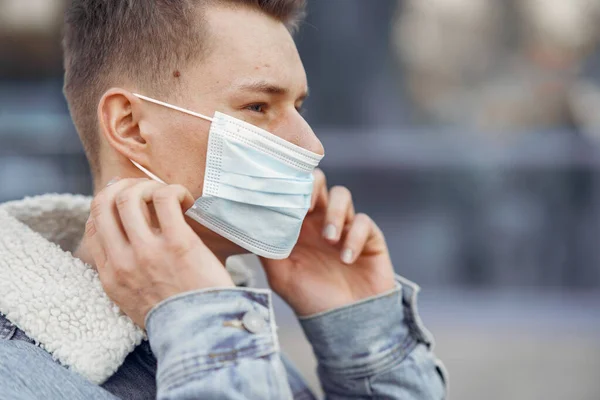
pixel 376 348
pixel 217 344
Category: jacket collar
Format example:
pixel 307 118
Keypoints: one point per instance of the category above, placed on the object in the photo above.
pixel 57 299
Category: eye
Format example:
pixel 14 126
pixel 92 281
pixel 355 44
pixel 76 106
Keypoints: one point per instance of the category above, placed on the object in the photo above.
pixel 258 107
pixel 301 110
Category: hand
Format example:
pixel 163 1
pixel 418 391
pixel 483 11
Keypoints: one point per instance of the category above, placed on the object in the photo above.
pixel 340 257
pixel 146 254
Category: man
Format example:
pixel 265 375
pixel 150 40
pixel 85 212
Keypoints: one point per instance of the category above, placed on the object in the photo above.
pixel 142 79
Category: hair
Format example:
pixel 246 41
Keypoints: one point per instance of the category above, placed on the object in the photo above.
pixel 143 41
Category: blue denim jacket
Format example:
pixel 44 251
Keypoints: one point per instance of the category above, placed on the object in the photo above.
pixel 223 344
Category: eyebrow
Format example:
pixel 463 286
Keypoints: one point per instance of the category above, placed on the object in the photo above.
pixel 268 88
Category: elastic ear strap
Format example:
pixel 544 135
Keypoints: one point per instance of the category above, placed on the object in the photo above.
pixel 183 110
pixel 150 174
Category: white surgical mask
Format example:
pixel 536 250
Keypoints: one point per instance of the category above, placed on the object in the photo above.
pixel 257 186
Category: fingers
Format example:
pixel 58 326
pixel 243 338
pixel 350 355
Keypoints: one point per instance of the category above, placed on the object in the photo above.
pixel 131 204
pixel 362 229
pixel 340 212
pixel 105 216
pixel 170 202
pixel 320 195
pixel 132 222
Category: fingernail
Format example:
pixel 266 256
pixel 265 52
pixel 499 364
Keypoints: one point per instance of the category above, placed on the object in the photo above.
pixel 347 256
pixel 113 181
pixel 330 232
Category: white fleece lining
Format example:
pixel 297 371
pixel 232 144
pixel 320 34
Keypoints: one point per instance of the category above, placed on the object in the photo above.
pixel 57 299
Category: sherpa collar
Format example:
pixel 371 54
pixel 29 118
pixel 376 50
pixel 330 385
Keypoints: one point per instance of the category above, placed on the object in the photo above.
pixel 57 299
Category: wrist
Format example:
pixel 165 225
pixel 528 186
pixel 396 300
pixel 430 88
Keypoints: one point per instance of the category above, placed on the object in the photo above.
pixel 328 300
pixel 188 286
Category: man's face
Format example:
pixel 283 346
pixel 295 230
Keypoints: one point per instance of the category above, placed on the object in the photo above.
pixel 252 71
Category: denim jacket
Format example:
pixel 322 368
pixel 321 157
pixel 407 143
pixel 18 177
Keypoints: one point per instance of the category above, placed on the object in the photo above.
pixel 223 344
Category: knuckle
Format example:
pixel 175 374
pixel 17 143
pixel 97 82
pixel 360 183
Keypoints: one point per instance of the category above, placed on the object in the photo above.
pixel 177 188
pixel 90 228
pixel 342 191
pixel 123 198
pixel 319 175
pixel 144 257
pixel 121 269
pixel 183 192
pixel 362 218
pixel 178 246
pixel 96 206
pixel 130 181
pixel 163 194
pixel 120 274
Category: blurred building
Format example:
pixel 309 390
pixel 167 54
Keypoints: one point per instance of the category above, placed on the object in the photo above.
pixel 30 39
pixel 495 65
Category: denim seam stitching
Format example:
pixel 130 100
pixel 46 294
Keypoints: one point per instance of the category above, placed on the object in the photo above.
pixel 202 362
pixel 393 357
pixel 183 372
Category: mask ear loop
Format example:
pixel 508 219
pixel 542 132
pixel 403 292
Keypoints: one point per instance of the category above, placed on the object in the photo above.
pixel 172 107
pixel 161 103
pixel 148 173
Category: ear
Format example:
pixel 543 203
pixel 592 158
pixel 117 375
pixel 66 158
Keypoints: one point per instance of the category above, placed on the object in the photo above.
pixel 119 114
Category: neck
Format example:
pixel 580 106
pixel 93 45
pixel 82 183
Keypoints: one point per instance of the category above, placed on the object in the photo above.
pixel 219 246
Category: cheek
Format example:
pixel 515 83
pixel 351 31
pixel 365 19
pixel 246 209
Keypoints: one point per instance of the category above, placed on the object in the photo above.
pixel 183 158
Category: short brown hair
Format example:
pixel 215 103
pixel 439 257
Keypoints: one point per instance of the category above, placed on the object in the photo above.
pixel 142 40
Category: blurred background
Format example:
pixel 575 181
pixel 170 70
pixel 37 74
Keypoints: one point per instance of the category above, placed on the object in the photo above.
pixel 468 129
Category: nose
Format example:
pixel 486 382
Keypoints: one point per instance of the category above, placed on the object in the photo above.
pixel 296 130
pixel 313 143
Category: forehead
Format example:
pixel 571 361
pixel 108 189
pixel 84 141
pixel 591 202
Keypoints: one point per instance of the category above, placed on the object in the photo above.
pixel 244 44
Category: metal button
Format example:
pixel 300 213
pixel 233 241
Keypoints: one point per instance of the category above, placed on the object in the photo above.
pixel 254 322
